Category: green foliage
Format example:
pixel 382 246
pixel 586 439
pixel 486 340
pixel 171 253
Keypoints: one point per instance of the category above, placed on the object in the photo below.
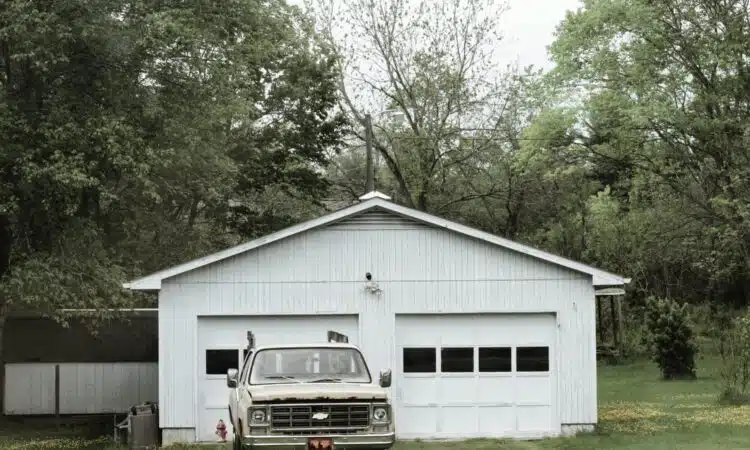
pixel 661 85
pixel 136 135
pixel 735 356
pixel 670 338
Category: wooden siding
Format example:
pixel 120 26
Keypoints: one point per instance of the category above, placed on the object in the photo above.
pixel 419 269
pixel 85 388
pixel 376 220
pixel 405 255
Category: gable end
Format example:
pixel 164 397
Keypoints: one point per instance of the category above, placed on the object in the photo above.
pixel 377 219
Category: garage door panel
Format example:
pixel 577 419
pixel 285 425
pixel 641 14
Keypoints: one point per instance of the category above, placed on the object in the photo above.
pixel 534 419
pixel 417 337
pixel 457 420
pixel 499 419
pixel 453 390
pixel 417 421
pixel 496 390
pixel 494 393
pixel 215 332
pixel 208 418
pixel 418 391
pixel 215 394
pixel 456 332
pixel 533 390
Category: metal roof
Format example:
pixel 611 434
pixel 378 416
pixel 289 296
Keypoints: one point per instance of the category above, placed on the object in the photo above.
pixel 374 201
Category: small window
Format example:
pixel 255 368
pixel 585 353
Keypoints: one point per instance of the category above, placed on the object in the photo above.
pixel 420 360
pixel 456 359
pixel 532 359
pixel 494 359
pixel 219 361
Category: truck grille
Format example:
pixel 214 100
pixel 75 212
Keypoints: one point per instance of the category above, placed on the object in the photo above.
pixel 334 416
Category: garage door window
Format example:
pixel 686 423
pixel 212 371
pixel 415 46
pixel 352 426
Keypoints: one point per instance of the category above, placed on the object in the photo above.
pixel 495 359
pixel 420 360
pixel 532 359
pixel 219 361
pixel 457 360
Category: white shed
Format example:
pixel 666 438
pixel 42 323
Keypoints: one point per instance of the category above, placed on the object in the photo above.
pixel 486 337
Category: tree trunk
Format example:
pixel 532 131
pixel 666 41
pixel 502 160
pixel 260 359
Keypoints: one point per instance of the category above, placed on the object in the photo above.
pixel 615 325
pixel 599 318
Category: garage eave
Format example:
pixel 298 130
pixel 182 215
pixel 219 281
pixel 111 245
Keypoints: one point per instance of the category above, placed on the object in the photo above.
pixel 144 284
pixel 610 281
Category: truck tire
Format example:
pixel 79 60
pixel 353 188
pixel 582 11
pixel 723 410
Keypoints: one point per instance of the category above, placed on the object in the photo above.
pixel 237 442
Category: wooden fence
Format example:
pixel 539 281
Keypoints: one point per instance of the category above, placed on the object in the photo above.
pixel 78 388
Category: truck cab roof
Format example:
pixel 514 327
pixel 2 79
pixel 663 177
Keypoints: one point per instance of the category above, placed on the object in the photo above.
pixel 311 345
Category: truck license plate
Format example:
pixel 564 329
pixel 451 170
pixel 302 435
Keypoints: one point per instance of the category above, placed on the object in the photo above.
pixel 320 443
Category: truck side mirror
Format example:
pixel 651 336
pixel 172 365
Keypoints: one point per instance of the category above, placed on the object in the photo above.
pixel 232 378
pixel 385 378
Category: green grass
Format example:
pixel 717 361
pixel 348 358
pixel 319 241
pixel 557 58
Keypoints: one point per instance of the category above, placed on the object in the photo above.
pixel 636 411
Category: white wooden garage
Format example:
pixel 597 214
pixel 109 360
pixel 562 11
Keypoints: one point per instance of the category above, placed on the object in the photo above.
pixel 486 337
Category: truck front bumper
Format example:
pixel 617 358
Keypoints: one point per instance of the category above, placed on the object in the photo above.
pixel 380 441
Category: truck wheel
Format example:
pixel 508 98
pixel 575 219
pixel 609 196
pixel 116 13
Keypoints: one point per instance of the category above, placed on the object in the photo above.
pixel 237 443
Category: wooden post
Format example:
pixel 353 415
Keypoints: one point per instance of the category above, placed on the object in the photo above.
pixel 615 325
pixel 57 395
pixel 599 329
pixel 370 185
pixel 620 325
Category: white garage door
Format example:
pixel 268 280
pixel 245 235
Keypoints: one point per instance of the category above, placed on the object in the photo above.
pixel 465 376
pixel 222 340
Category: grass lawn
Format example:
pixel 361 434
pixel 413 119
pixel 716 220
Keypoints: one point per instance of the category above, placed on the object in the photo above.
pixel 636 411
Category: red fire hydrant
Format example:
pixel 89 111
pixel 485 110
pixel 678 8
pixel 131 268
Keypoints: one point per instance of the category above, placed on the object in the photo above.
pixel 221 430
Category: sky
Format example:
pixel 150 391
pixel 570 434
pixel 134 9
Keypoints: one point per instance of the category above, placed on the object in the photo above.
pixel 528 26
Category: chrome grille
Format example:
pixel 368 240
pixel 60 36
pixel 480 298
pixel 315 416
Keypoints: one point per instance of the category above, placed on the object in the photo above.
pixel 341 417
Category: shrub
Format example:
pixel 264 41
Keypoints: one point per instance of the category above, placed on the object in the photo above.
pixel 670 338
pixel 735 356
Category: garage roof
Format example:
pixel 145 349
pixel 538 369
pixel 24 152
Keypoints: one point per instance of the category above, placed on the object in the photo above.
pixel 373 201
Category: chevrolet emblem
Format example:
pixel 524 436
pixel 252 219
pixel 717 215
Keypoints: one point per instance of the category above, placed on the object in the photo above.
pixel 320 416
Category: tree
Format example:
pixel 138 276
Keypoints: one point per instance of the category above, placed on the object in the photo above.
pixel 428 67
pixel 250 125
pixel 666 93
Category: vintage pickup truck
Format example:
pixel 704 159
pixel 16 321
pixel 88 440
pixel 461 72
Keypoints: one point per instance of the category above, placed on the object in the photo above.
pixel 309 396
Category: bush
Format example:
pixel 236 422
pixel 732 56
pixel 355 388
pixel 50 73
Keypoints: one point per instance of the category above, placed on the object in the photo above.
pixel 735 356
pixel 670 338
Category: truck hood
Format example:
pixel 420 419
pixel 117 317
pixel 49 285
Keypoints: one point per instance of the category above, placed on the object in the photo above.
pixel 316 391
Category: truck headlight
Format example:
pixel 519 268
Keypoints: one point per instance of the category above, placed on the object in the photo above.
pixel 380 414
pixel 257 416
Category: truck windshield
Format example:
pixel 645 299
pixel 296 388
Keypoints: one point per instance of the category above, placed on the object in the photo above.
pixel 309 365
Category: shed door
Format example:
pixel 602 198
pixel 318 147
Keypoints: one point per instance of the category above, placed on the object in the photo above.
pixel 221 341
pixel 466 376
